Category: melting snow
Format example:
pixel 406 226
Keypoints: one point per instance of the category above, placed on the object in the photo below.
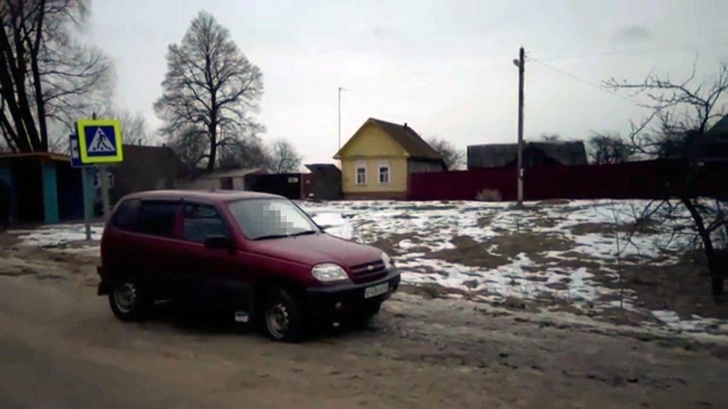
pixel 418 229
pixel 58 235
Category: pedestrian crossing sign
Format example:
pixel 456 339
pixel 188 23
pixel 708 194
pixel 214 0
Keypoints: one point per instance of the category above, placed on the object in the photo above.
pixel 99 141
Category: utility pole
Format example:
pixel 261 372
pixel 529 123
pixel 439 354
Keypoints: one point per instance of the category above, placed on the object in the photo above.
pixel 103 175
pixel 521 64
pixel 340 89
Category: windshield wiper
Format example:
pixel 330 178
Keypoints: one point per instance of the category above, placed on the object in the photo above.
pixel 303 233
pixel 281 236
pixel 272 236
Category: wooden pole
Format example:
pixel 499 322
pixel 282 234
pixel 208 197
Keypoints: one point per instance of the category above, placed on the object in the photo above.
pixel 521 75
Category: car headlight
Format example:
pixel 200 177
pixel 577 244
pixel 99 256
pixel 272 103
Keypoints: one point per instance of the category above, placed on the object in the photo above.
pixel 329 272
pixel 387 260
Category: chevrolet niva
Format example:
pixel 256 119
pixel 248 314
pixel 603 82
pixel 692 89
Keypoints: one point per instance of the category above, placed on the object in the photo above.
pixel 258 256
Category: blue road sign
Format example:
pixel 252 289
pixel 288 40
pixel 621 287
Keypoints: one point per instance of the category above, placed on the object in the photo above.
pixel 74 150
pixel 99 141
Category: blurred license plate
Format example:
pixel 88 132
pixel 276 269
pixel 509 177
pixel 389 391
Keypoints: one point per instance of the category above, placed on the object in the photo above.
pixel 376 290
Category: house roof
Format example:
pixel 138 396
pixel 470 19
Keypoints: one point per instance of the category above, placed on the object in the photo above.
pixel 720 129
pixel 321 166
pixel 46 155
pixel 711 145
pixel 498 155
pixel 407 138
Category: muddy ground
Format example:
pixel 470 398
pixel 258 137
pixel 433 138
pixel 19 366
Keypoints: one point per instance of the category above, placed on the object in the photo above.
pixel 421 352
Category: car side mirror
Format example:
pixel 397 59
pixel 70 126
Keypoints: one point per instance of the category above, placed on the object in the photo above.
pixel 217 242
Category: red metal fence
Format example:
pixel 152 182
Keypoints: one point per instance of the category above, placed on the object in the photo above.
pixel 634 180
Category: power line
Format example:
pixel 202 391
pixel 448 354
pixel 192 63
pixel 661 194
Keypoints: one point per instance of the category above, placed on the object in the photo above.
pixel 683 48
pixel 583 81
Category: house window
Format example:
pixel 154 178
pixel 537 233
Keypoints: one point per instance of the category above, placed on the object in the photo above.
pixel 361 174
pixel 384 173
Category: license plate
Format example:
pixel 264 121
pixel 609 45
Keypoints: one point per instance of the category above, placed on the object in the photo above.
pixel 376 290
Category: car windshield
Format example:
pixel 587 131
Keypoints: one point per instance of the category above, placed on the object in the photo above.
pixel 271 218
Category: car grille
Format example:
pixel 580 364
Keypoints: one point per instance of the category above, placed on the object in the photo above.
pixel 363 273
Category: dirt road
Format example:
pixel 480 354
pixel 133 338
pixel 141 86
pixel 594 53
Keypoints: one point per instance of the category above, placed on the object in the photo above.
pixel 60 347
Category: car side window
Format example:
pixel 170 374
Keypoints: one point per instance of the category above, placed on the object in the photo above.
pixel 157 218
pixel 125 216
pixel 201 221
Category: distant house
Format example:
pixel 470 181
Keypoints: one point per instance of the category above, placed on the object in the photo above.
pixel 40 187
pixel 713 144
pixel 221 179
pixel 535 154
pixel 144 168
pixel 378 158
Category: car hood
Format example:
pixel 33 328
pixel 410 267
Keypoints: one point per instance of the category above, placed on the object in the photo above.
pixel 319 248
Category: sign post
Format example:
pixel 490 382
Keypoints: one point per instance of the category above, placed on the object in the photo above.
pixel 87 194
pixel 96 142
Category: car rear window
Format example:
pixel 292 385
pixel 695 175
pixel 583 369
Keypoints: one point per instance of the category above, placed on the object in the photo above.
pixel 125 217
pixel 157 218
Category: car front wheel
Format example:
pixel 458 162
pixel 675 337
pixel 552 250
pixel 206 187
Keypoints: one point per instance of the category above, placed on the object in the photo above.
pixel 128 300
pixel 283 316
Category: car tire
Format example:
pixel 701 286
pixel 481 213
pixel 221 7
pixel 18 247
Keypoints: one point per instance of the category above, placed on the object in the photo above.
pixel 128 300
pixel 282 316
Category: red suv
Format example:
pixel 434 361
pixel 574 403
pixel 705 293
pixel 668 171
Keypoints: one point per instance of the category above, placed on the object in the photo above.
pixel 258 256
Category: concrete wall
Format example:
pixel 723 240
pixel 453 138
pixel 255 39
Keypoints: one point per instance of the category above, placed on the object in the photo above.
pixel 50 193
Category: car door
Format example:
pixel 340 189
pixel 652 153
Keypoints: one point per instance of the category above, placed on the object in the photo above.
pixel 212 276
pixel 156 245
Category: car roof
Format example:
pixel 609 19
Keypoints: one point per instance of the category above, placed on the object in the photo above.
pixel 208 196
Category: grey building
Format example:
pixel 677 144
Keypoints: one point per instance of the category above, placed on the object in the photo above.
pixel 535 154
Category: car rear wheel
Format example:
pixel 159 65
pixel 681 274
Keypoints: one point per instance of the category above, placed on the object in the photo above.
pixel 128 300
pixel 283 316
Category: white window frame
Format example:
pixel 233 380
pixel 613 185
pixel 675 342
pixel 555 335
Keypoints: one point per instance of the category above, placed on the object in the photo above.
pixel 384 165
pixel 357 167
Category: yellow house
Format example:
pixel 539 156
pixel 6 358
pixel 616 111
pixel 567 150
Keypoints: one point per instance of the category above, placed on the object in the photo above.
pixel 377 160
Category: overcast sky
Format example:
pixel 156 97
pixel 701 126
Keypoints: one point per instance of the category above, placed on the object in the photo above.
pixel 443 66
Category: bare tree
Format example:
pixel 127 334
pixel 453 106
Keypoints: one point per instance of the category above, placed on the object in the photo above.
pixel 191 146
pixel 248 152
pixel 134 128
pixel 608 148
pixel 47 73
pixel 284 157
pixel 682 113
pixel 550 137
pixel 209 85
pixel 453 157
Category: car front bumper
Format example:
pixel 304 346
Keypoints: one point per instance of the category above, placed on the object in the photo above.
pixel 340 299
